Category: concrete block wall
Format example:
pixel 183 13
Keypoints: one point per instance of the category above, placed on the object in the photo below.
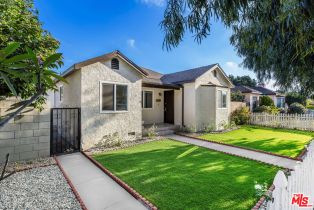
pixel 27 136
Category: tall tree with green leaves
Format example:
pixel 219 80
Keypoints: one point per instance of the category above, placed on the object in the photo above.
pixel 27 55
pixel 243 80
pixel 19 23
pixel 274 37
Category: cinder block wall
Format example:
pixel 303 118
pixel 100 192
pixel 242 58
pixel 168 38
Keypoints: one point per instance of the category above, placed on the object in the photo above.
pixel 27 136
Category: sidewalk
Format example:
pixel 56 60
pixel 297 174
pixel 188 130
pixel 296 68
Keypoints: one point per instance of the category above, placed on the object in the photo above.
pixel 266 158
pixel 96 189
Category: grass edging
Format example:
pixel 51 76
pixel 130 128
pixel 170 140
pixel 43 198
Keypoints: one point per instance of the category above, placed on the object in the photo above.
pixel 263 198
pixel 129 189
pixel 298 158
pixel 77 195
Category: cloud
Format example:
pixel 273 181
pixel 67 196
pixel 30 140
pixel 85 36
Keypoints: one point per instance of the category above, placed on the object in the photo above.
pixel 131 43
pixel 232 65
pixel 158 3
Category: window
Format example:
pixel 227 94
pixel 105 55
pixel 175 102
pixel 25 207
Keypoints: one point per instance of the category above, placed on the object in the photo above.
pixel 222 99
pixel 115 63
pixel 254 101
pixel 61 93
pixel 114 97
pixel 281 102
pixel 147 99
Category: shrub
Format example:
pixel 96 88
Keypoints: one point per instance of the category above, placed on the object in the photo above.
pixel 295 98
pixel 152 132
pixel 296 108
pixel 266 101
pixel 241 116
pixel 267 109
pixel 262 108
pixel 237 96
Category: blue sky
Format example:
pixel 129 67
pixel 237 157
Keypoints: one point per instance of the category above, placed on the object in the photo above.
pixel 95 27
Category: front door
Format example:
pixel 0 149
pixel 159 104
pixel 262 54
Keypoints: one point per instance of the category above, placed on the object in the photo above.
pixel 169 106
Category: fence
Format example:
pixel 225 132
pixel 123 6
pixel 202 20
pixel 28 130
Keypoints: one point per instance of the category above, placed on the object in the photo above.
pixel 299 181
pixel 27 136
pixel 292 121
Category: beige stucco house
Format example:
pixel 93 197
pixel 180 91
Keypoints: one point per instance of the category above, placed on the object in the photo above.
pixel 117 96
pixel 252 95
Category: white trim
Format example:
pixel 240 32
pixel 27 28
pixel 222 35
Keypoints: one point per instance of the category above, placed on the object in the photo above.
pixel 114 97
pixel 61 98
pixel 153 99
pixel 220 98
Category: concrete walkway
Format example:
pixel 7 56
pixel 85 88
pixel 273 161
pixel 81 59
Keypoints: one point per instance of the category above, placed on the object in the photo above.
pixel 96 189
pixel 266 158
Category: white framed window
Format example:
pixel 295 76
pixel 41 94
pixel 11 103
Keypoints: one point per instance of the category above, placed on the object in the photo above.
pixel 113 97
pixel 222 99
pixel 60 93
pixel 280 102
pixel 147 99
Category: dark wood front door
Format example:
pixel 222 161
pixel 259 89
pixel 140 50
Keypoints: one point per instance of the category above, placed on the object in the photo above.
pixel 169 106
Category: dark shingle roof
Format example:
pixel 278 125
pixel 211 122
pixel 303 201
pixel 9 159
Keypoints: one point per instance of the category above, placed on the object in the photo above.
pixel 244 89
pixel 264 90
pixel 185 76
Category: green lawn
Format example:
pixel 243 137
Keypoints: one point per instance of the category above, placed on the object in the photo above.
pixel 174 175
pixel 279 141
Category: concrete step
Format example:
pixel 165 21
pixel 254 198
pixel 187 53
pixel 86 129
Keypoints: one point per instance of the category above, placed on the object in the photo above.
pixel 165 132
pixel 165 128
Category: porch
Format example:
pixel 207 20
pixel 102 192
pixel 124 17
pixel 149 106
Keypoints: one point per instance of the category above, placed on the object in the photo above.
pixel 161 106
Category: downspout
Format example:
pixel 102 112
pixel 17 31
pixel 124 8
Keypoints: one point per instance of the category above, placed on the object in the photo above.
pixel 183 106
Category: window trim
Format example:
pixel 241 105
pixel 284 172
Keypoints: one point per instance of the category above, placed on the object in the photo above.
pixel 114 97
pixel 220 98
pixel 61 96
pixel 153 98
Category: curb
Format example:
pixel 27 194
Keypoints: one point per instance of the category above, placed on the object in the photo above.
pixel 239 147
pixel 263 198
pixel 129 189
pixel 77 195
pixel 227 153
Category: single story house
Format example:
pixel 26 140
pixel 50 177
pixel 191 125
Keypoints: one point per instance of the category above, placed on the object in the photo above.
pixel 252 95
pixel 116 96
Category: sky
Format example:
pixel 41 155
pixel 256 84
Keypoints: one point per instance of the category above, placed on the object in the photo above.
pixel 91 28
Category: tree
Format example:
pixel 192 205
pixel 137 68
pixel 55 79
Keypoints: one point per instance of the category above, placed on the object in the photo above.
pixel 19 23
pixel 30 76
pixel 237 96
pixel 28 68
pixel 294 97
pixel 243 80
pixel 275 38
pixel 266 101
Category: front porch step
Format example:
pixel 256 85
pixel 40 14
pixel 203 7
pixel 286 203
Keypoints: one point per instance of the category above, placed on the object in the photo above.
pixel 161 129
pixel 165 132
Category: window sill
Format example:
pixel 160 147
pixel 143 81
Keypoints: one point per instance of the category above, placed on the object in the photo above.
pixel 222 107
pixel 113 112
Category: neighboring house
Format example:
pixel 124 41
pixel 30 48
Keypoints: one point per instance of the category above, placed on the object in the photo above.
pixel 117 96
pixel 279 99
pixel 252 95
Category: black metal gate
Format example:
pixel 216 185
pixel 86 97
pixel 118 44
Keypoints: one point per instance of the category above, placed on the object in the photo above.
pixel 65 128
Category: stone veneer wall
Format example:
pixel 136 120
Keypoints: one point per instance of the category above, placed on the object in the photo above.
pixel 27 136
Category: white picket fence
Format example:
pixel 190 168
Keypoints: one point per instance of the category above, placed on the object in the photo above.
pixel 292 121
pixel 301 180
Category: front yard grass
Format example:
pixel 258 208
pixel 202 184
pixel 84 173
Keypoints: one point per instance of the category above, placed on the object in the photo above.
pixel 279 141
pixel 174 175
